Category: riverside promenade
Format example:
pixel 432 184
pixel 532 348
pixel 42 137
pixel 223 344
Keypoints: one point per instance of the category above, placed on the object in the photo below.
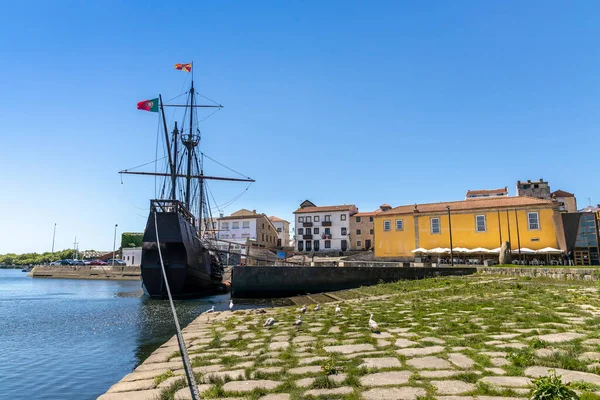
pixel 457 338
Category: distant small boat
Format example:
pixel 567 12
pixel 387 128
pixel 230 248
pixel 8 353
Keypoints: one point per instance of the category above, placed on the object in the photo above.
pixel 27 269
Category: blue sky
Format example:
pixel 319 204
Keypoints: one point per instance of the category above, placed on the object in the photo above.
pixel 336 102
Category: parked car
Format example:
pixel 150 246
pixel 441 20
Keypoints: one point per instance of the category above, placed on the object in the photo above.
pixel 68 261
pixel 98 262
pixel 116 262
pixel 78 262
pixel 59 262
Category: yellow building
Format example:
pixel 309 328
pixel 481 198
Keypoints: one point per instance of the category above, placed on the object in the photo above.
pixel 479 222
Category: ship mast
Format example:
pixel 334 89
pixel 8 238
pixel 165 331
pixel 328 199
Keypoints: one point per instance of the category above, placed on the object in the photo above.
pixel 190 143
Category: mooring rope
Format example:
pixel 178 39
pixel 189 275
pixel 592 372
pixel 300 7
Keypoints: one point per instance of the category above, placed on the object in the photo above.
pixel 184 354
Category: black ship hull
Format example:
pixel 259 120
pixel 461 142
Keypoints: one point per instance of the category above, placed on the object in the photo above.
pixel 191 269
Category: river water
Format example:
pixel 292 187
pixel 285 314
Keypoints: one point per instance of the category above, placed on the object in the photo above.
pixel 73 339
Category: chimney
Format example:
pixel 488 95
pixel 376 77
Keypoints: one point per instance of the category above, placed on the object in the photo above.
pixel 253 211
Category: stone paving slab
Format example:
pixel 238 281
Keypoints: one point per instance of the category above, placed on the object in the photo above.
pixel 248 386
pixel 305 382
pixel 383 362
pixel 420 351
pixel 275 396
pixel 329 392
pixel 566 375
pixel 349 348
pixel 143 384
pixel 561 337
pixel 461 361
pixel 429 362
pixel 235 374
pixel 452 387
pixel 405 343
pixel 184 393
pixel 403 393
pixel 152 394
pixel 507 381
pixel 311 369
pixel 386 378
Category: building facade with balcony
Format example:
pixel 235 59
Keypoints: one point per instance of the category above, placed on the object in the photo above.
pixel 538 189
pixel 246 226
pixel 362 228
pixel 566 201
pixel 283 231
pixel 323 228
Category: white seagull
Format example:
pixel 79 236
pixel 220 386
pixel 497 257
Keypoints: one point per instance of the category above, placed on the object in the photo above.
pixel 299 321
pixel 303 309
pixel 269 322
pixel 317 307
pixel 230 305
pixel 212 309
pixel 338 309
pixel 373 325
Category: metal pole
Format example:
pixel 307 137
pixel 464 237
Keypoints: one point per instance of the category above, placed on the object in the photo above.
pixel 508 222
pixel 75 245
pixel 450 226
pixel 499 228
pixel 518 236
pixel 114 245
pixel 53 237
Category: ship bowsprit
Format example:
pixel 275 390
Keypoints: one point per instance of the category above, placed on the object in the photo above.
pixel 192 270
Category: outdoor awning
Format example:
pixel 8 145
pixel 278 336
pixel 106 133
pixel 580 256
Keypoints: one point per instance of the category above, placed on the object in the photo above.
pixel 420 250
pixel 479 250
pixel 460 250
pixel 524 250
pixel 549 250
pixel 496 250
pixel 440 250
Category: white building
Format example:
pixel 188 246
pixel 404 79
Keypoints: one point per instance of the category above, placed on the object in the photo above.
pixel 283 231
pixel 325 228
pixel 245 225
pixel 132 255
pixel 475 194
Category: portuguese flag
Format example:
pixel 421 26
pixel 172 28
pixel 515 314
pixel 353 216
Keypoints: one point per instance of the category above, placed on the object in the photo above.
pixel 148 105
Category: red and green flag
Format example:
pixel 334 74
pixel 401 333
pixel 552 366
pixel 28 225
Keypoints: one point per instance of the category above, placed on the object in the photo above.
pixel 148 105
pixel 184 67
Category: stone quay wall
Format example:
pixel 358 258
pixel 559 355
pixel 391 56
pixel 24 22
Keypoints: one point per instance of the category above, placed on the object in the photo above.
pixel 579 274
pixel 128 273
pixel 251 282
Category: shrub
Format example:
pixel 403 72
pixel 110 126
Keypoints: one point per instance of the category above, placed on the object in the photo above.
pixel 551 387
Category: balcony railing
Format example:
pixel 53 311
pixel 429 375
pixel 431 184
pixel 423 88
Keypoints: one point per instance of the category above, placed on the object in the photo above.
pixel 307 237
pixel 307 224
pixel 326 236
pixel 326 223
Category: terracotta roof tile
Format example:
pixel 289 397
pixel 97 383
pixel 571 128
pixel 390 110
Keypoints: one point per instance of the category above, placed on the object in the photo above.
pixel 562 193
pixel 472 204
pixel 277 219
pixel 486 191
pixel 345 207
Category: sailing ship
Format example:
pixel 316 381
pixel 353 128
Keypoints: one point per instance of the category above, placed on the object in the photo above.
pixel 192 263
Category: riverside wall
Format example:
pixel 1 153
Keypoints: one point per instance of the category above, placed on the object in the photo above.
pixel 562 273
pixel 128 273
pixel 264 282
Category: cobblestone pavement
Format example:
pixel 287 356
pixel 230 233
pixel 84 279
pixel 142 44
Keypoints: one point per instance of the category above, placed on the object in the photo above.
pixel 466 341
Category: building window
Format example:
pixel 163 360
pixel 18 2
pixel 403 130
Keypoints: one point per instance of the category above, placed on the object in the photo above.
pixel 308 231
pixel 279 230
pixel 344 231
pixel 343 217
pixel 328 244
pixel 534 220
pixel 328 218
pixel 263 237
pixel 316 218
pixel 435 225
pixel 226 226
pixel 308 245
pixel 214 225
pixel 358 231
pixel 300 231
pixel 301 246
pixel 245 235
pixel 358 243
pixel 308 219
pixel 235 225
pixel 328 231
pixel 370 231
pixel 316 231
pixel 387 225
pixel 263 226
pixel 399 225
pixel 480 223
pixel 233 236
pixel 300 219
pixel 370 219
pixel 357 219
pixel 246 224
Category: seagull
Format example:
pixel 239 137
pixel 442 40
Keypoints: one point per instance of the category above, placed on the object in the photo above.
pixel 303 309
pixel 230 305
pixel 299 321
pixel 373 325
pixel 338 309
pixel 317 307
pixel 269 322
pixel 212 309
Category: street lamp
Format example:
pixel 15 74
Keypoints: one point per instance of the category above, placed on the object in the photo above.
pixel 114 245
pixel 53 237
